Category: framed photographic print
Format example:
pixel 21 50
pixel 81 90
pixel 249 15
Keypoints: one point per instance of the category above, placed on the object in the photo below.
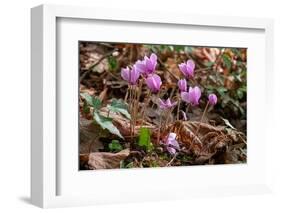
pixel 146 105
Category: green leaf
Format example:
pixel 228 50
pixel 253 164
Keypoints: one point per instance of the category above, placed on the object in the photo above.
pixel 106 123
pixel 115 146
pixel 92 101
pixel 227 61
pixel 240 93
pixel 112 63
pixel 86 108
pixel 221 90
pixel 119 106
pixel 179 48
pixel 209 63
pixel 144 139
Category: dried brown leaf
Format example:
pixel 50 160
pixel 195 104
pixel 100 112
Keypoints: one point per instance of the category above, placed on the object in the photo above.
pixel 214 143
pixel 107 160
pixel 89 136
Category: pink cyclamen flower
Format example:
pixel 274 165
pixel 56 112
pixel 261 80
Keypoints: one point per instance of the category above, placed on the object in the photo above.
pixel 213 99
pixel 147 65
pixel 192 96
pixel 166 104
pixel 171 143
pixel 182 84
pixel 187 68
pixel 154 83
pixel 130 75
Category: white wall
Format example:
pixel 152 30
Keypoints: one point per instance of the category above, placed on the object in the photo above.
pixel 15 98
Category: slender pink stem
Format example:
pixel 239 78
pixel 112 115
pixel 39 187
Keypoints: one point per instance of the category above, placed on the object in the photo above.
pixel 201 120
pixel 178 110
pixel 159 129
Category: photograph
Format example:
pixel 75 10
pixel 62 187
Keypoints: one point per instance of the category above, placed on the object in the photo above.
pixel 161 105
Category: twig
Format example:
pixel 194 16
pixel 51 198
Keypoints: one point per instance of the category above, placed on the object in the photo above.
pixel 95 64
pixel 171 161
pixel 162 64
pixel 203 69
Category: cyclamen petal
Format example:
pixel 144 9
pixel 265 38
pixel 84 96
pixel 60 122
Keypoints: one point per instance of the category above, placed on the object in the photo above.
pixel 153 57
pixel 125 73
pixel 175 144
pixel 187 68
pixel 147 65
pixel 171 143
pixel 213 99
pixel 135 74
pixel 131 76
pixel 182 84
pixel 162 104
pixel 185 97
pixel 166 104
pixel 190 65
pixel 192 96
pixel 182 67
pixel 154 83
pixel 171 150
pixel 172 136
pixel 140 65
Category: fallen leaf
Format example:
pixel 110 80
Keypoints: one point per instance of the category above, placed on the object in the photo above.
pixel 107 160
pixel 210 142
pixel 89 136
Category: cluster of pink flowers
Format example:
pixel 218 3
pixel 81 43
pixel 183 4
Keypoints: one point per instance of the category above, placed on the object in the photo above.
pixel 191 95
pixel 146 68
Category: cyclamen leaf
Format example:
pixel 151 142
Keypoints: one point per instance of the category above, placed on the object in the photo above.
pixel 92 101
pixel 119 106
pixel 115 146
pixel 144 139
pixel 106 123
pixel 112 62
pixel 227 61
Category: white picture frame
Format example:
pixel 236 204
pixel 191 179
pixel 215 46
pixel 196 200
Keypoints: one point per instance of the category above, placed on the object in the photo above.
pixel 44 151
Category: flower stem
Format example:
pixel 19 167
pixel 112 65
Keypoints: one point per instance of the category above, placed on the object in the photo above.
pixel 169 112
pixel 205 110
pixel 178 110
pixel 137 101
pixel 130 110
pixel 126 96
pixel 135 107
pixel 159 129
pixel 145 107
pixel 187 108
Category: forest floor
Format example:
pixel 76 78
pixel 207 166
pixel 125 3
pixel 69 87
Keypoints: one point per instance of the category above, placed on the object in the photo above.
pixel 124 126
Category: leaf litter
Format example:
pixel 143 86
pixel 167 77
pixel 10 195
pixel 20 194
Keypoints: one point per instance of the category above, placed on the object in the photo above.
pixel 107 139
